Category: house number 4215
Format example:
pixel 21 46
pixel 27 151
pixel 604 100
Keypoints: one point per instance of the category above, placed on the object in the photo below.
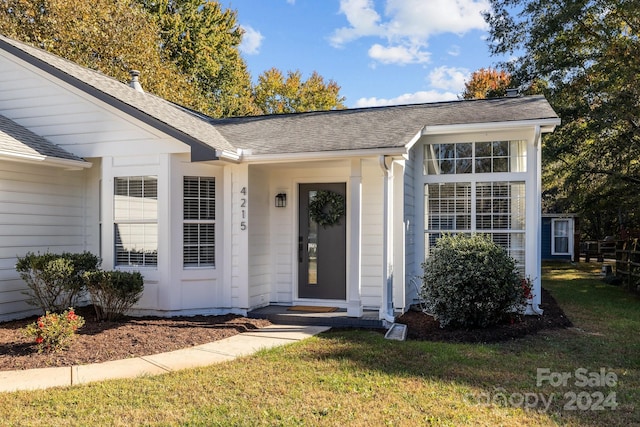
pixel 243 209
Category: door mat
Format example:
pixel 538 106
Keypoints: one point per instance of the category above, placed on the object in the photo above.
pixel 312 308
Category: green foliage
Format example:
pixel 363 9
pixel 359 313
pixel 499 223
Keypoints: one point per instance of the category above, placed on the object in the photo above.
pixel 55 280
pixel 275 94
pixel 586 52
pixel 202 40
pixel 469 281
pixel 54 332
pixel 112 36
pixel 113 292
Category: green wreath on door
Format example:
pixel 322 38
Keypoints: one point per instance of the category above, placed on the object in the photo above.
pixel 326 208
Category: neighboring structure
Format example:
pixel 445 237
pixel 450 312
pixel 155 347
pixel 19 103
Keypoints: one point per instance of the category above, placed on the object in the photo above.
pixel 560 237
pixel 218 214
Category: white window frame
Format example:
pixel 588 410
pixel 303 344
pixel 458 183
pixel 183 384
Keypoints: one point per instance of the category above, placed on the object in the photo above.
pixel 514 237
pixel 197 219
pixel 569 236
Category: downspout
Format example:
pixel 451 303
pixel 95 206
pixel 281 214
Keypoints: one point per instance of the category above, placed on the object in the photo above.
pixel 535 305
pixel 386 310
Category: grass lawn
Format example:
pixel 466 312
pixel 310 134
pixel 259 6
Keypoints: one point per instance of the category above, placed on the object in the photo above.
pixel 357 378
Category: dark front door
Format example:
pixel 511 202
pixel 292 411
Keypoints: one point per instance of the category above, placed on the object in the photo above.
pixel 322 249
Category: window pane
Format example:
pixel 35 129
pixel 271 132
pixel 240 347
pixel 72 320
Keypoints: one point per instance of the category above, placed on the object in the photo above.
pixel 463 166
pixel 447 167
pixel 464 150
pixel 500 149
pixel 483 165
pixel 207 209
pixel 191 210
pixel 501 165
pixel 190 186
pixel 483 149
pixel 136 244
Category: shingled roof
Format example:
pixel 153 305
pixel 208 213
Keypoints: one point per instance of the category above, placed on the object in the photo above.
pixel 18 141
pixel 390 127
pixel 371 128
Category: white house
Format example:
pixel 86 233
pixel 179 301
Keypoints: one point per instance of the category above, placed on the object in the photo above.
pixel 215 212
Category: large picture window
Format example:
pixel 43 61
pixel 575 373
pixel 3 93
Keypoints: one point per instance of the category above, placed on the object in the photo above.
pixel 199 221
pixel 493 208
pixel 475 157
pixel 136 221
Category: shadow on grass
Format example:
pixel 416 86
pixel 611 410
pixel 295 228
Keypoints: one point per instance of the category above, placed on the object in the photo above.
pixel 513 365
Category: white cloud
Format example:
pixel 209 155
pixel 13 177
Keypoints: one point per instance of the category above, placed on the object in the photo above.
pixel 407 24
pixel 251 41
pixel 398 54
pixel 408 98
pixel 362 17
pixel 448 78
pixel 454 50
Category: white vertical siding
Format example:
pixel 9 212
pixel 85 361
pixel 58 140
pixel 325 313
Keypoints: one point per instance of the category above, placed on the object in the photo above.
pixel 41 209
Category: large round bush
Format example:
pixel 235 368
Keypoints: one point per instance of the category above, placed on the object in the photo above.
pixel 469 282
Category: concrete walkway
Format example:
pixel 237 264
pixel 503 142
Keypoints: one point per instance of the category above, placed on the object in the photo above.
pixel 207 354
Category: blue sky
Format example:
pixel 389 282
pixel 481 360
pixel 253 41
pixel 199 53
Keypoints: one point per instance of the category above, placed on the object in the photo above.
pixel 380 52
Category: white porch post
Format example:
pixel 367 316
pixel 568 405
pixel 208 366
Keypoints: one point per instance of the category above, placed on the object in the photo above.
pixel 354 278
pixel 534 219
pixel 386 309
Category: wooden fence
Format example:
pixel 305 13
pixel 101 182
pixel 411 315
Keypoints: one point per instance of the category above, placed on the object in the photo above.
pixel 628 263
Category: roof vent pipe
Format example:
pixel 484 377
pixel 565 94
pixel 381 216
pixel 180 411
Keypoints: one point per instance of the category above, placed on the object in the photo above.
pixel 512 93
pixel 135 83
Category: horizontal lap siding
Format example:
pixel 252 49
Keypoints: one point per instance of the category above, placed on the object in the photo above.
pixel 41 209
pixel 73 121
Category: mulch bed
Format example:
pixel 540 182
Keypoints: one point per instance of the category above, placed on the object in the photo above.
pixel 134 337
pixel 131 337
pixel 423 327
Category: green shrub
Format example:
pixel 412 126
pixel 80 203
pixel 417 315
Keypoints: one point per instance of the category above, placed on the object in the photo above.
pixel 113 292
pixel 53 332
pixel 469 282
pixel 55 280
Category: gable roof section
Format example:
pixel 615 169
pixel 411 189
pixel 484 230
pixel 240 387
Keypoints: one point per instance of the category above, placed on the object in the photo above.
pixel 205 141
pixel 18 142
pixel 373 128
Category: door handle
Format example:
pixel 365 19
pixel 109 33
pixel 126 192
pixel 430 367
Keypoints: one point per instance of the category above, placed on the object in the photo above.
pixel 300 248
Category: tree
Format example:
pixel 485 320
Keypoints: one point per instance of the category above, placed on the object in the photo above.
pixel 202 40
pixel 275 94
pixel 106 35
pixel 586 51
pixel 486 83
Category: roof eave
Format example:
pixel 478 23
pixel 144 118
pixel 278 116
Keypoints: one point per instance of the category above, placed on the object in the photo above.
pixel 546 125
pixel 68 164
pixel 322 155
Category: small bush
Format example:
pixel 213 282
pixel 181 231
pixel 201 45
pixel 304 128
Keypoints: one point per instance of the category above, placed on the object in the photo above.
pixel 113 292
pixel 55 280
pixel 53 332
pixel 469 282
